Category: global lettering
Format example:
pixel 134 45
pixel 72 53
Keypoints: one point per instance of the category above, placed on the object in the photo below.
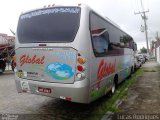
pixel 31 60
pixel 104 69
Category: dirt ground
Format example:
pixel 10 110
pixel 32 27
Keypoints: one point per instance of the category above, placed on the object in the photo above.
pixel 144 94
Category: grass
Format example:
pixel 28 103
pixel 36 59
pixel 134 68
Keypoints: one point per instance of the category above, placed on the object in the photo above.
pixel 107 103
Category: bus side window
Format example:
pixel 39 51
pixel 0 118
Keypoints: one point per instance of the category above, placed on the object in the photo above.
pixel 100 44
pixel 99 35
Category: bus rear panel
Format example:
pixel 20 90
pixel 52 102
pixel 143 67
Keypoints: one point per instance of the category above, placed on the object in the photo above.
pixel 47 61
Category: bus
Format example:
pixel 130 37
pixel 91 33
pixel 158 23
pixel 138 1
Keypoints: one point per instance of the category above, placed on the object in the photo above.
pixel 71 53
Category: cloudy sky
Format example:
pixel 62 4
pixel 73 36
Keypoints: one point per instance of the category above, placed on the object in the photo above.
pixel 119 11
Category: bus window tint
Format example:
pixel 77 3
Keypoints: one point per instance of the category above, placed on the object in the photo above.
pixel 58 24
pixel 110 40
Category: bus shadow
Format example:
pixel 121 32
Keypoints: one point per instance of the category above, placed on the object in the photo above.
pixel 74 111
pixel 60 109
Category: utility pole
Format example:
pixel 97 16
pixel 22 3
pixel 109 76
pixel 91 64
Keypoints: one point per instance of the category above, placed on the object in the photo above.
pixel 157 37
pixel 144 17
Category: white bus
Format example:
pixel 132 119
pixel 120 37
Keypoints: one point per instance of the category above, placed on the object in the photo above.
pixel 71 53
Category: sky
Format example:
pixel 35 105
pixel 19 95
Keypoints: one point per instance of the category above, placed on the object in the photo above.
pixel 120 12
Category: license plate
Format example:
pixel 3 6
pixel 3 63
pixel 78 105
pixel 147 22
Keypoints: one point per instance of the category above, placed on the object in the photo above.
pixel 44 90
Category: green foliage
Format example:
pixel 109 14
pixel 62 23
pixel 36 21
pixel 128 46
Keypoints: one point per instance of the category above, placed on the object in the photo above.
pixel 143 50
pixel 125 39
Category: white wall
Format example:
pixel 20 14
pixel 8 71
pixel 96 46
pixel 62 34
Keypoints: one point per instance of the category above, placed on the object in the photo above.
pixel 158 54
pixel 154 53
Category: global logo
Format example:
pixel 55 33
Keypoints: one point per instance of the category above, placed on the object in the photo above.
pixel 59 71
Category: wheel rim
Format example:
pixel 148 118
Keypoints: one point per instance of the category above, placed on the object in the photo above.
pixel 113 87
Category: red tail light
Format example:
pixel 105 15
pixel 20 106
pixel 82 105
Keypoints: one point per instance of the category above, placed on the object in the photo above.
pixel 80 68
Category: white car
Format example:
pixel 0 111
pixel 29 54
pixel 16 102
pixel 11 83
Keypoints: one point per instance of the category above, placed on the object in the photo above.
pixel 141 58
pixel 137 62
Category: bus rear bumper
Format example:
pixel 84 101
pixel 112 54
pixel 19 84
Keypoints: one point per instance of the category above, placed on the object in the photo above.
pixel 76 92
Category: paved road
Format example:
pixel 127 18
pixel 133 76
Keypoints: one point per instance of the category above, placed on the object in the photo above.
pixel 50 108
pixel 12 102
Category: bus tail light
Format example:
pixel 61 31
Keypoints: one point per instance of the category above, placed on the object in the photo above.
pixel 80 75
pixel 81 68
pixel 81 60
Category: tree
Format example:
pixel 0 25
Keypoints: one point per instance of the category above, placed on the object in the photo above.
pixel 143 50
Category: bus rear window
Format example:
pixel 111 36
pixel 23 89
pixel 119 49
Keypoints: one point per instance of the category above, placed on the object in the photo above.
pixel 58 24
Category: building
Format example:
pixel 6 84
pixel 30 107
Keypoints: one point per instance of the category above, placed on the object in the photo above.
pixel 7 44
pixel 6 40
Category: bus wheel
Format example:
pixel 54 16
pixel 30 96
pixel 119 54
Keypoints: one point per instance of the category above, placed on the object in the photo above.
pixel 113 87
pixel 114 84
